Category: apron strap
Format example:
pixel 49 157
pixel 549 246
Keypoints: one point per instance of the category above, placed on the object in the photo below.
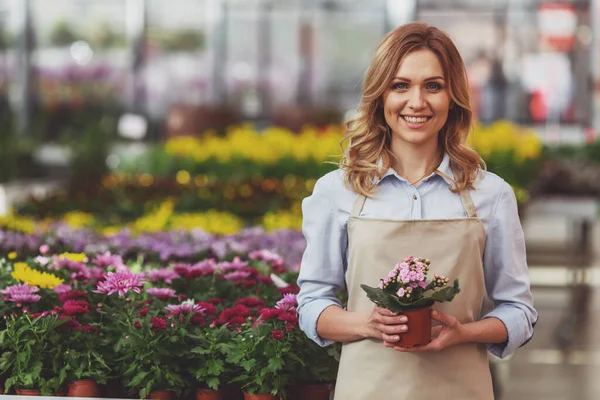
pixel 358 205
pixel 468 204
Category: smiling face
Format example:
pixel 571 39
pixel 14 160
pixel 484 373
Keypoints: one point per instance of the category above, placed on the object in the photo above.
pixel 417 100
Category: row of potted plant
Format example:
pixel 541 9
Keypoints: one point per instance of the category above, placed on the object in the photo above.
pixel 227 325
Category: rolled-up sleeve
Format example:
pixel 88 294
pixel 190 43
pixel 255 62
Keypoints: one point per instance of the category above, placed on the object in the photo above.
pixel 507 275
pixel 322 267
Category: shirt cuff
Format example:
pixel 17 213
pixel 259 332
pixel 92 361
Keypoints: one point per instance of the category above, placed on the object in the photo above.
pixel 309 315
pixel 516 325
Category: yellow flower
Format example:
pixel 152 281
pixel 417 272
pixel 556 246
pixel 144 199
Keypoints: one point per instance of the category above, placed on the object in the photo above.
pixel 12 255
pixel 212 221
pixel 77 257
pixel 282 220
pixel 78 219
pixel 23 273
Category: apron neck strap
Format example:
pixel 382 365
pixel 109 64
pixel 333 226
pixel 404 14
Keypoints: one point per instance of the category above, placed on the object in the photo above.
pixel 465 198
pixel 468 204
pixel 358 205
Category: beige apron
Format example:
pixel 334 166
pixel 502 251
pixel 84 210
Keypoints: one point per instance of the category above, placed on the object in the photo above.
pixel 370 371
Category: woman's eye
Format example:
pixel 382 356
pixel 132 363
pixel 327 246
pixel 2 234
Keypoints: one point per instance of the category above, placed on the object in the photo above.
pixel 399 86
pixel 434 86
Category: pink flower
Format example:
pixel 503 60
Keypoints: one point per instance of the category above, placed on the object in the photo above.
pixel 184 308
pixel 21 293
pixel 44 249
pixel 233 265
pixel 62 288
pixel 161 275
pixel 120 282
pixel 161 293
pixel 75 307
pixel 237 275
pixel 400 292
pixel 288 302
pixel 423 284
pixel 107 260
pixel 43 261
pixel 268 256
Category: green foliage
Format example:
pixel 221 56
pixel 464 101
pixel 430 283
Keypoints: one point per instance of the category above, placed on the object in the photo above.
pixel 392 302
pixel 32 350
pixel 85 358
pixel 209 358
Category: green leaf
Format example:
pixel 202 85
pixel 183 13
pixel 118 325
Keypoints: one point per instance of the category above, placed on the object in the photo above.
pixel 138 379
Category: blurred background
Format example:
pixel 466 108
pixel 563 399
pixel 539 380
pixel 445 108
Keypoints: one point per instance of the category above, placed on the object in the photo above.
pixel 149 116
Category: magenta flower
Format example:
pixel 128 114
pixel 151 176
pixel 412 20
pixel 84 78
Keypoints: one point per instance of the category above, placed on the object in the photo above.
pixel 187 307
pixel 44 249
pixel 161 293
pixel 107 260
pixel 21 293
pixel 120 282
pixel 161 275
pixel 201 268
pixel 267 256
pixel 288 303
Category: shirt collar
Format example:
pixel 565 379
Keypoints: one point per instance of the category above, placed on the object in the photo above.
pixel 443 170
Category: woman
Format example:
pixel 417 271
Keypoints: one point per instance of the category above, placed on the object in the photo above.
pixel 407 185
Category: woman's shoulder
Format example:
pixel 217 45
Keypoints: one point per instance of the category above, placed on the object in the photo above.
pixel 490 182
pixel 332 185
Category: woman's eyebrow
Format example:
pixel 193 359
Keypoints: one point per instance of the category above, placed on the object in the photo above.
pixel 433 78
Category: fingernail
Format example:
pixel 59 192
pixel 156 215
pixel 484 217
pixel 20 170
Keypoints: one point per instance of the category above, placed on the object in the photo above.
pixel 395 338
pixel 403 328
pixel 403 319
pixel 434 313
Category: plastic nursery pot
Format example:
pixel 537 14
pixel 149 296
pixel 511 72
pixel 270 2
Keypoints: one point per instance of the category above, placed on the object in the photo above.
pixel 28 392
pixel 248 396
pixel 162 395
pixel 208 394
pixel 83 388
pixel 419 328
pixel 317 391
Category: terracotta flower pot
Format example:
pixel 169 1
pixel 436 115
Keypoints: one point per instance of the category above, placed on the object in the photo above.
pixel 419 328
pixel 28 392
pixel 248 396
pixel 161 395
pixel 83 388
pixel 208 394
pixel 318 391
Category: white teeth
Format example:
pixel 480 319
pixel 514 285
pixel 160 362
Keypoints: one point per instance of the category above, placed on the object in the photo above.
pixel 415 120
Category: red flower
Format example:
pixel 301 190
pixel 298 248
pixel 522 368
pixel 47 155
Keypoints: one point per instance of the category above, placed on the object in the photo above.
pixel 137 324
pixel 277 334
pixel 181 297
pixel 248 283
pixel 75 307
pixel 265 280
pixel 88 329
pixel 278 269
pixel 198 320
pixel 269 313
pixel 208 307
pixel 216 300
pixel 289 327
pixel 289 316
pixel 250 302
pixel 158 324
pixel 291 289
pixel 71 295
pixel 143 312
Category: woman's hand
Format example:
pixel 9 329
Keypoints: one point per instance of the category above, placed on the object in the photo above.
pixel 384 325
pixel 448 334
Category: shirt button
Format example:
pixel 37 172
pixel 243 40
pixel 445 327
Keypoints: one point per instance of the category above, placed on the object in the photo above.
pixel 414 196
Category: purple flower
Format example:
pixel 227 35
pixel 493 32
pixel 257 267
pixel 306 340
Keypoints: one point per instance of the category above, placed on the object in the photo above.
pixel 21 293
pixel 187 307
pixel 161 293
pixel 120 282
pixel 106 260
pixel 266 255
pixel 164 275
pixel 289 302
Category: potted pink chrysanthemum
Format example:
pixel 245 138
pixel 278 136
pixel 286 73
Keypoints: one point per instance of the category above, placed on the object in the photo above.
pixel 405 290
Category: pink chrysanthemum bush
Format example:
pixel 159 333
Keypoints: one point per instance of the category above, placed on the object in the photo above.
pixel 406 287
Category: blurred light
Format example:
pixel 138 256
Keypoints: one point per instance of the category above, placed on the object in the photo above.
pixel 113 161
pixel 242 71
pixel 132 126
pixel 81 52
pixel 183 177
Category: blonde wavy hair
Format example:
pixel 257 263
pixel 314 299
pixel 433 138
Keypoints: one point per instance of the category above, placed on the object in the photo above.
pixel 368 136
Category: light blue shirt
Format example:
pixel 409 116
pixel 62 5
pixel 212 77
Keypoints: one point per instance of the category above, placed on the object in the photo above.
pixel 324 262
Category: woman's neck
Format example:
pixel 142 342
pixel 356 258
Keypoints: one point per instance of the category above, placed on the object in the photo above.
pixel 416 163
